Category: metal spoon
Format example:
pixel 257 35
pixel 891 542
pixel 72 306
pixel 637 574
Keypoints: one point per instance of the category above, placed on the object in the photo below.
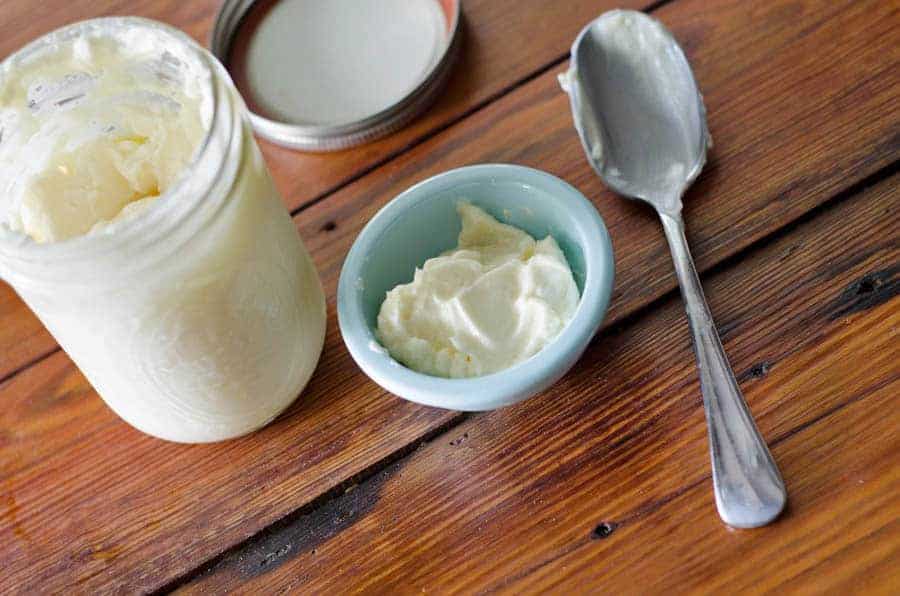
pixel 643 126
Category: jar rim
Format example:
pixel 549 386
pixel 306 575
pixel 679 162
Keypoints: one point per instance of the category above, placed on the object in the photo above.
pixel 19 246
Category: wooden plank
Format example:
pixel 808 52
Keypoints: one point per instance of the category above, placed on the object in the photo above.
pixel 205 499
pixel 511 500
pixel 493 59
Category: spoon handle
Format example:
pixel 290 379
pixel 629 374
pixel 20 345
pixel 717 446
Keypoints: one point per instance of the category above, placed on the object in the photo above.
pixel 748 487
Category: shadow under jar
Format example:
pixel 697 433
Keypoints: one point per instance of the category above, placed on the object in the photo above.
pixel 201 317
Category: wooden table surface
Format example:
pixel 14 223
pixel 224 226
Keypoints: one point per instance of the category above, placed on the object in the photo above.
pixel 602 483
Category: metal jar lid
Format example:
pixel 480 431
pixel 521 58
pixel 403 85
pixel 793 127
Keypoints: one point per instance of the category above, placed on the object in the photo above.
pixel 286 42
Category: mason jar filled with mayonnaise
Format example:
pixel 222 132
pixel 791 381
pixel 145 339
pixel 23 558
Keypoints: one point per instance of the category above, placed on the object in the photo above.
pixel 139 222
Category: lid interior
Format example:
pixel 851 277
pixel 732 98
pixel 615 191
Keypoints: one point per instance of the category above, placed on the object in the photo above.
pixel 317 63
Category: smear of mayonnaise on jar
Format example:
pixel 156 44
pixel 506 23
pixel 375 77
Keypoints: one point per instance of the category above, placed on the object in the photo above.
pixel 92 132
pixel 492 302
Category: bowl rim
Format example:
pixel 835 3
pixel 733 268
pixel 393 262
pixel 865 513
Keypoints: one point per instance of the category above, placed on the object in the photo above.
pixel 521 380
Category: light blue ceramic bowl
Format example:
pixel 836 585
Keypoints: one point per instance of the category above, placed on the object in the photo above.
pixel 422 223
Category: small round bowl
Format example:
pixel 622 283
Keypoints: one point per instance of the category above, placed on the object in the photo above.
pixel 421 223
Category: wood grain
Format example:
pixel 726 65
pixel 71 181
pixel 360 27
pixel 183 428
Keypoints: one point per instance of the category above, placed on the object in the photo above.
pixel 603 482
pixel 140 530
pixel 493 60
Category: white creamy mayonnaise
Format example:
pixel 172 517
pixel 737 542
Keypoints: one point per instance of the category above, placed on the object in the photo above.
pixel 492 302
pixel 93 134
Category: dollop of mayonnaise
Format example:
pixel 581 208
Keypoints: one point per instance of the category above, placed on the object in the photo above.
pixel 92 131
pixel 492 302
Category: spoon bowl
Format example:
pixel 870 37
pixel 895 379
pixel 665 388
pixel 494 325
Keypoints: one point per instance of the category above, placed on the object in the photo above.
pixel 642 123
pixel 637 108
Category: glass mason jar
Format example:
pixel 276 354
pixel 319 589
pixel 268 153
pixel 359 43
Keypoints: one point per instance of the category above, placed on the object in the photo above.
pixel 202 318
